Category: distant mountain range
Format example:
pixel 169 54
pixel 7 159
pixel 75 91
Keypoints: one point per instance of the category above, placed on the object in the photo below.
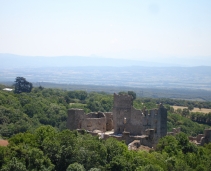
pixel 17 61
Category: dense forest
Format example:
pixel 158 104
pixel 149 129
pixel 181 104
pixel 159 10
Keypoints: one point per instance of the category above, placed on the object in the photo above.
pixel 48 149
pixel 20 112
pixel 35 124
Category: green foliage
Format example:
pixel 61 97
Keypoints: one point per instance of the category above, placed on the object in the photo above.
pixel 48 149
pixel 183 155
pixel 75 167
pixel 35 123
pixel 132 93
pixel 201 117
pixel 80 106
pixel 81 95
pixel 187 126
pixel 27 111
pixel 114 148
pixel 190 107
pixel 99 102
pixel 168 144
pixel 2 155
pixel 185 112
pixel 21 85
pixel 149 167
pixel 190 104
pixel 94 169
pixel 42 106
pixel 184 144
pixel 123 93
pixel 2 86
pixel 144 104
pixel 14 165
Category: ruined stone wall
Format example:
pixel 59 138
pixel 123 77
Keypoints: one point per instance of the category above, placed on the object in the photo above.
pixel 174 132
pixel 75 117
pixel 163 121
pixel 121 109
pixel 92 124
pixel 95 115
pixel 146 140
pixel 127 118
pixel 202 139
pixel 129 123
pixel 109 121
pixel 207 135
pixel 139 121
pixel 122 101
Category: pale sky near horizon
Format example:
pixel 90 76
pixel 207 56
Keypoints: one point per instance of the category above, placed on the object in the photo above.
pixel 136 29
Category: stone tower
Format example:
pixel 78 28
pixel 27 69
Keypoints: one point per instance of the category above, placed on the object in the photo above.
pixel 75 116
pixel 128 119
pixel 121 112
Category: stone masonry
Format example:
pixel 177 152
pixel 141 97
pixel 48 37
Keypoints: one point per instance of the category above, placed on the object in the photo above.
pixel 77 119
pixel 128 123
pixel 140 124
pixel 202 139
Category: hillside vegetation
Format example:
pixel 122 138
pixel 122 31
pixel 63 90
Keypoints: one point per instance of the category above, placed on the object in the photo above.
pixel 45 106
pixel 49 149
pixel 35 124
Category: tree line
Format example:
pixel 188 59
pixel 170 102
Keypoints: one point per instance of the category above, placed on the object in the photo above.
pixel 52 150
pixel 35 123
pixel 26 111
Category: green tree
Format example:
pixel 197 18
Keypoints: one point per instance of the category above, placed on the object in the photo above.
pixel 200 106
pixel 36 160
pixel 168 144
pixel 184 143
pixel 120 163
pixel 150 167
pixel 92 153
pixel 114 148
pixel 190 107
pixel 44 132
pixel 122 93
pixel 2 155
pixel 95 169
pixel 185 112
pixel 75 167
pixel 178 111
pixel 14 165
pixel 171 110
pixel 21 85
pixel 133 94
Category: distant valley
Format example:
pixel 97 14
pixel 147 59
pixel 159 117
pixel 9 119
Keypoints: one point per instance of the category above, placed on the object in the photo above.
pixel 110 75
pixel 135 76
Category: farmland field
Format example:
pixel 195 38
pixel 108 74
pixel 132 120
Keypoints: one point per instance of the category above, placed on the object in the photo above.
pixel 203 110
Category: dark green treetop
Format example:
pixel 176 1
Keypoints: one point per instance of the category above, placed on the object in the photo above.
pixel 21 85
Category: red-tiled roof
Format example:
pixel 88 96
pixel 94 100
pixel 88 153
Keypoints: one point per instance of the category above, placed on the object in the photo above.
pixel 3 143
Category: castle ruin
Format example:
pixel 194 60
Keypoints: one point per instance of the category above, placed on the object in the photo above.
pixel 127 123
pixel 99 121
pixel 202 139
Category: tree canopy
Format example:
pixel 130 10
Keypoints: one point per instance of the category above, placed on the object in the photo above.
pixel 35 125
pixel 52 150
pixel 21 85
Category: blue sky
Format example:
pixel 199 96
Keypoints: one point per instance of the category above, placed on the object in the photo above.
pixel 160 30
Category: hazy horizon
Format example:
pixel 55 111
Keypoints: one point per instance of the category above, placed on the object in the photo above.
pixel 12 60
pixel 152 31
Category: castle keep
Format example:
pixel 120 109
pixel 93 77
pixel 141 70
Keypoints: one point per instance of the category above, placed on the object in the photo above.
pixel 127 123
pixel 127 118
